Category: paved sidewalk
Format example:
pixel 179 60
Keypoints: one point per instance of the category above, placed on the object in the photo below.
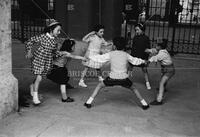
pixel 116 112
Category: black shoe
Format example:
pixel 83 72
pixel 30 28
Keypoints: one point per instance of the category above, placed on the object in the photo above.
pixel 87 105
pixel 155 102
pixel 68 100
pixel 145 107
pixel 68 86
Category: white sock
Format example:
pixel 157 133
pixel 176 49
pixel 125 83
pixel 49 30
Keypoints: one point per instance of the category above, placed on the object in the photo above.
pixel 144 103
pixel 81 80
pixel 90 100
pixel 35 97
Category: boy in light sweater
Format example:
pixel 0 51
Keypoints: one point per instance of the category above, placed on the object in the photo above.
pixel 118 76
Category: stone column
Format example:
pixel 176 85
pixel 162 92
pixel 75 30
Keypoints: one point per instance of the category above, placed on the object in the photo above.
pixel 8 83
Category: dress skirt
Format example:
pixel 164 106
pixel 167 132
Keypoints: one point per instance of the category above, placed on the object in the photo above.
pixel 91 63
pixel 58 75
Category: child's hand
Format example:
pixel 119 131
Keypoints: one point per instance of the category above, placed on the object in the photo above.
pixel 152 51
pixel 29 55
pixel 146 62
pixel 92 33
pixel 64 53
pixel 85 59
pixel 148 50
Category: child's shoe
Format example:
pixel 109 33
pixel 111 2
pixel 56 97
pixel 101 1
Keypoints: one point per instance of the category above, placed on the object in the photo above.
pixel 82 84
pixel 148 85
pixel 145 107
pixel 155 102
pixel 100 78
pixel 68 100
pixel 87 105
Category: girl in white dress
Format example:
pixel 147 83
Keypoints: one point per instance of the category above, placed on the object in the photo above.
pixel 96 41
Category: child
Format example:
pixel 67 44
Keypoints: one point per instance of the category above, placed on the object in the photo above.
pixel 59 73
pixel 41 59
pixel 96 41
pixel 118 75
pixel 139 44
pixel 167 68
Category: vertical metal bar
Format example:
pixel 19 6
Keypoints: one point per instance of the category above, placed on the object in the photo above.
pixel 163 25
pixel 153 8
pixel 100 12
pixel 159 21
pixel 173 37
pixel 185 31
pixel 169 8
pixel 180 30
pixel 195 30
pixel 126 30
pixel 147 16
pixel 22 25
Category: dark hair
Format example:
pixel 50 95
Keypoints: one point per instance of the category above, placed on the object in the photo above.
pixel 163 43
pixel 119 42
pixel 141 26
pixel 98 27
pixel 67 45
pixel 51 28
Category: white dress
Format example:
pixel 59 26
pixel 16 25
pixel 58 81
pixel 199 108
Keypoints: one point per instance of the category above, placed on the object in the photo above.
pixel 94 48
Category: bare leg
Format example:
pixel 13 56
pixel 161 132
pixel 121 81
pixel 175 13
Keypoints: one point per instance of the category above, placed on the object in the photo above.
pixel 162 85
pixel 133 88
pixel 84 73
pixel 138 95
pixel 36 84
pixel 81 82
pixel 99 74
pixel 63 91
pixel 159 98
pixel 97 89
pixel 146 77
pixel 64 94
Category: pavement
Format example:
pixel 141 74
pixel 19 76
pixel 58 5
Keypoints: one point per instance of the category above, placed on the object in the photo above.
pixel 116 111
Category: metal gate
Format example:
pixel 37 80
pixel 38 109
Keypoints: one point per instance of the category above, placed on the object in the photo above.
pixel 29 17
pixel 176 20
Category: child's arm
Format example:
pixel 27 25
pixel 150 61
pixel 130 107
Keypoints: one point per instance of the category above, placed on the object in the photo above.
pixel 100 58
pixel 30 43
pixel 86 37
pixel 107 47
pixel 151 51
pixel 67 54
pixel 156 58
pixel 134 60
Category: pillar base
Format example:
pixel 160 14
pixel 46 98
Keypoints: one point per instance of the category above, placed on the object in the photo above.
pixel 8 94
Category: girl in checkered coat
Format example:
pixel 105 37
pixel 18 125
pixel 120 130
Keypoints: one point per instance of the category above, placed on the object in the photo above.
pixel 96 41
pixel 42 57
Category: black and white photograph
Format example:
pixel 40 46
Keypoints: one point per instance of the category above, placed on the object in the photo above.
pixel 99 68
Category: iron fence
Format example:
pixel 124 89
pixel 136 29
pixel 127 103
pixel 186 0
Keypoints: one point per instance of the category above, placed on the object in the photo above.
pixel 175 20
pixel 29 17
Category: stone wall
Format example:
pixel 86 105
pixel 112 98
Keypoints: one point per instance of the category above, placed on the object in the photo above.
pixel 8 83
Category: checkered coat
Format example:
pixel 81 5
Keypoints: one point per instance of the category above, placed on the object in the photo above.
pixel 42 59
